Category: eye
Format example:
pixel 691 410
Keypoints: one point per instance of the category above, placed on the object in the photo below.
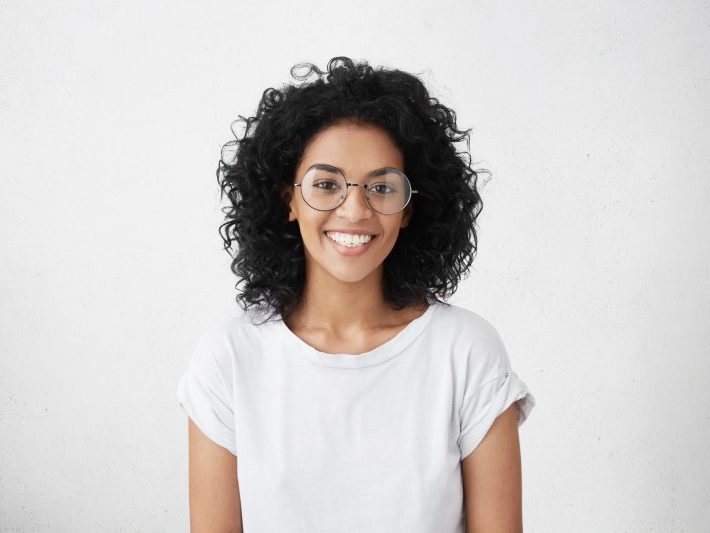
pixel 328 185
pixel 381 188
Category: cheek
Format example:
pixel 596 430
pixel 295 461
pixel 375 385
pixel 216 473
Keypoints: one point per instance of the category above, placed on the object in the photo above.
pixel 312 229
pixel 393 239
pixel 389 241
pixel 393 230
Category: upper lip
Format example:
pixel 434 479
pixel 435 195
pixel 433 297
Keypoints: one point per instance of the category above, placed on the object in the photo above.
pixel 351 231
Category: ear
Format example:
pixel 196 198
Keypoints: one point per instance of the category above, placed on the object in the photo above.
pixel 286 194
pixel 407 217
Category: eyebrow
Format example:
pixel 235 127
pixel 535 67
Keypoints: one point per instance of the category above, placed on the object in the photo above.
pixel 332 168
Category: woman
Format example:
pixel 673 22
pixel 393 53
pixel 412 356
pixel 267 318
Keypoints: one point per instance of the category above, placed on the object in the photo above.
pixel 345 396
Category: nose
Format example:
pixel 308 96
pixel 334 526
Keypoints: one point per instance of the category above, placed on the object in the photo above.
pixel 355 206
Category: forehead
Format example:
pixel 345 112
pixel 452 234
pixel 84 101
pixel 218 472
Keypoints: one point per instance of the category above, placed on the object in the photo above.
pixel 354 147
pixel 320 169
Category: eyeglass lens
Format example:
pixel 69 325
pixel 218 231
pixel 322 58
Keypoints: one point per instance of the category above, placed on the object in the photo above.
pixel 324 189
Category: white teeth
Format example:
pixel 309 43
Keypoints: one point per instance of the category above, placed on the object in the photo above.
pixel 346 239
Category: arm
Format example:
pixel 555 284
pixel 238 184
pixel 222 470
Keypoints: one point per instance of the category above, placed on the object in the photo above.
pixel 492 479
pixel 215 505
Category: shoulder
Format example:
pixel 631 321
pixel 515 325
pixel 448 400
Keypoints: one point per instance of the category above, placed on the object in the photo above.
pixel 467 325
pixel 476 343
pixel 235 325
pixel 234 335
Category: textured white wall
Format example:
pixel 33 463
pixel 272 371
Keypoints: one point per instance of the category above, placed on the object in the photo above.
pixel 593 260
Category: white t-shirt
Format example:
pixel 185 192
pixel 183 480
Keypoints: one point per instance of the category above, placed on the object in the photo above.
pixel 352 443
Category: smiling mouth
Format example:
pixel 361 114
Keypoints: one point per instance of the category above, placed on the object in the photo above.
pixel 349 244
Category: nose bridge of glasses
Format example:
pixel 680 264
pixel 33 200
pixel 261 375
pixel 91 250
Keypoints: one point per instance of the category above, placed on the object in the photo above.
pixel 360 189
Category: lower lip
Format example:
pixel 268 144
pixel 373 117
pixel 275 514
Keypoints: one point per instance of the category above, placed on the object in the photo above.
pixel 355 250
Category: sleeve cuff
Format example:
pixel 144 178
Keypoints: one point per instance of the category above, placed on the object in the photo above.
pixel 510 389
pixel 202 414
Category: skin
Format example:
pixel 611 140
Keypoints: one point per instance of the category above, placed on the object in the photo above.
pixel 343 311
pixel 215 505
pixel 343 308
pixel 492 479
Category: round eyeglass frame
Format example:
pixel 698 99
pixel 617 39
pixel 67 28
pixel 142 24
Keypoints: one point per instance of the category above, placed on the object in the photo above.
pixel 364 186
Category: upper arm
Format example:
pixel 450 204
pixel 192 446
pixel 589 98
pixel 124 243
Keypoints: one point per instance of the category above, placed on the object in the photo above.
pixel 215 505
pixel 492 479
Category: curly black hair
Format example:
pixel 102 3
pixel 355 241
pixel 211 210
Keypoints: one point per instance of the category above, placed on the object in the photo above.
pixel 430 255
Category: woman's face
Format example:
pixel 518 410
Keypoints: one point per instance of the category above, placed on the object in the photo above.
pixel 356 149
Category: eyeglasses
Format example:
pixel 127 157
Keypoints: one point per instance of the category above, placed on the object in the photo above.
pixel 324 188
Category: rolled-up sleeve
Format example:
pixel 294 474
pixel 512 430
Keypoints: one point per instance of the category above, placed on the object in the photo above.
pixel 483 407
pixel 490 389
pixel 205 392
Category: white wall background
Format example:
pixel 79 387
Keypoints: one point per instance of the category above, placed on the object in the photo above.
pixel 593 260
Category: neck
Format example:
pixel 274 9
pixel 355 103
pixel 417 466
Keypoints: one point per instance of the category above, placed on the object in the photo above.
pixel 338 307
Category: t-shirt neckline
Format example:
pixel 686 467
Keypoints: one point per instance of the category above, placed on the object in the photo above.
pixel 377 355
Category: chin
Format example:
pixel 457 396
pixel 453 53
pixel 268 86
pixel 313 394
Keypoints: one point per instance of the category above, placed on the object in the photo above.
pixel 350 276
